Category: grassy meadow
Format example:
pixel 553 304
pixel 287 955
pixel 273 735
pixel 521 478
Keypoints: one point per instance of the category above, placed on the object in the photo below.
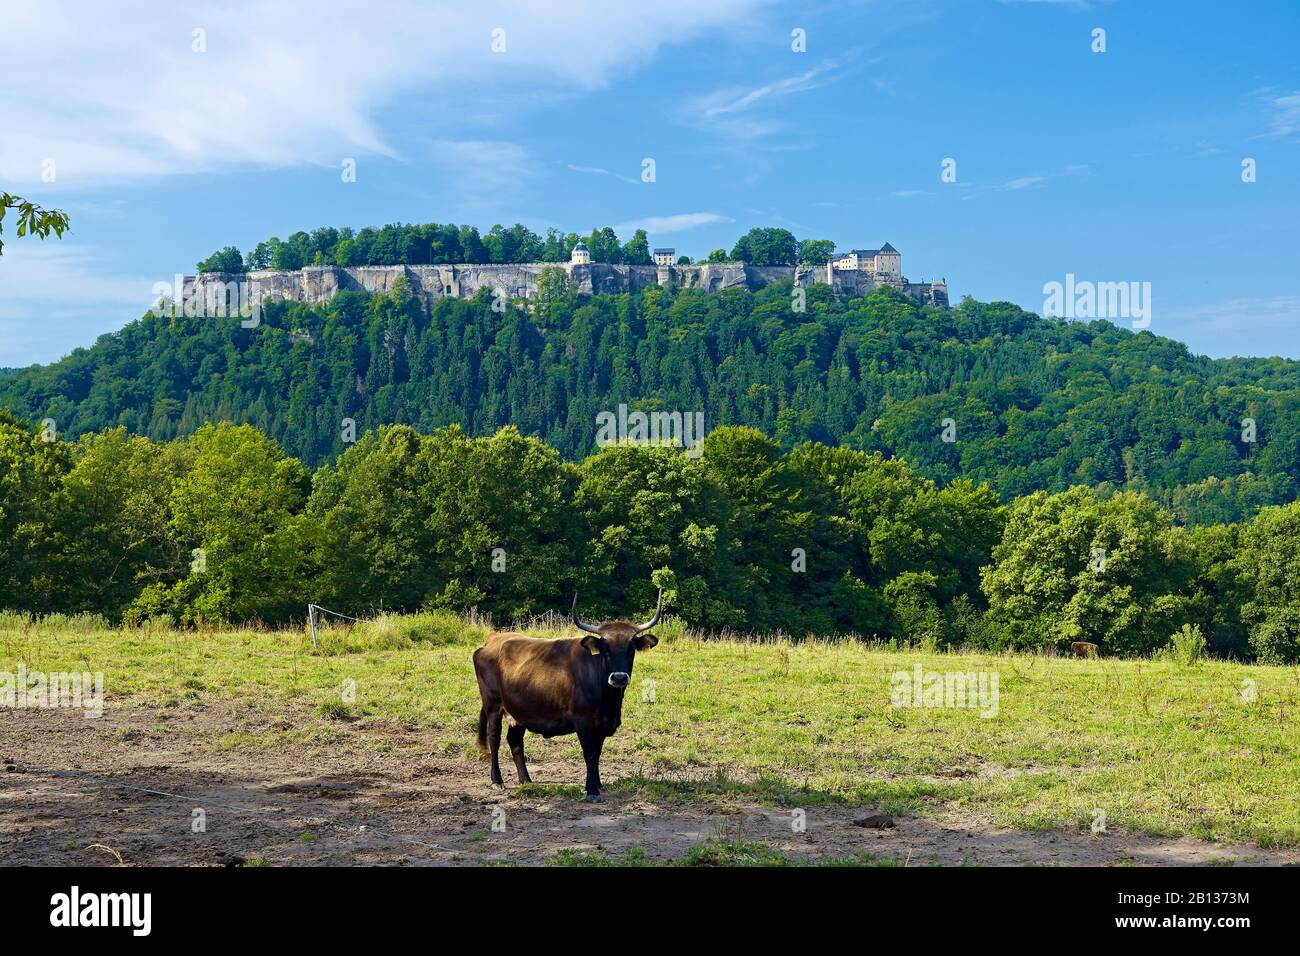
pixel 1161 747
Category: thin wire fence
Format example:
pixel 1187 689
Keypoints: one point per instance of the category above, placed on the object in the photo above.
pixel 311 620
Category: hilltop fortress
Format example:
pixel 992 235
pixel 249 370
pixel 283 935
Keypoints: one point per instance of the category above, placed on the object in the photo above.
pixel 854 273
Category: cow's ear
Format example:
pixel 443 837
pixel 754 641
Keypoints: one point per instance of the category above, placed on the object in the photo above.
pixel 592 643
pixel 644 642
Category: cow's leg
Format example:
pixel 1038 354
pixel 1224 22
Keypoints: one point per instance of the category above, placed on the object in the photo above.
pixel 592 744
pixel 515 738
pixel 494 746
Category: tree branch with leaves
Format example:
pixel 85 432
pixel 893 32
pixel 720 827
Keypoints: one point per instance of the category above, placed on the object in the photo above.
pixel 32 219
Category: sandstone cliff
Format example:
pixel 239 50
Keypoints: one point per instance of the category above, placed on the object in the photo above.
pixel 316 285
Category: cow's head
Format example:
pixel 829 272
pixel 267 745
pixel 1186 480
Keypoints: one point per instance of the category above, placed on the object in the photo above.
pixel 616 643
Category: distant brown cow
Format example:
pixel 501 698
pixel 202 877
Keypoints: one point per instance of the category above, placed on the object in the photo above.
pixel 1084 649
pixel 557 687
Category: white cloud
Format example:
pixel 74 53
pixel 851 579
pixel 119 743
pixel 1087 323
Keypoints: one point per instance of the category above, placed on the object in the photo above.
pixel 724 111
pixel 662 225
pixel 53 293
pixel 117 93
pixel 976 191
pixel 1020 182
pixel 731 101
pixel 1243 326
pixel 1286 115
pixel 598 171
pixel 485 171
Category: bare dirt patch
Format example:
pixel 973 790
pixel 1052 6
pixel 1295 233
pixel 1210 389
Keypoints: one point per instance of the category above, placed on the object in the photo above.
pixel 373 793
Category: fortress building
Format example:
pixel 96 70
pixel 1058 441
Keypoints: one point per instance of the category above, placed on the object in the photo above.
pixel 885 260
pixel 854 273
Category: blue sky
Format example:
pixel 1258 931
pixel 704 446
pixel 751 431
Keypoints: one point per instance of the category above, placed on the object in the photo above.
pixel 1117 166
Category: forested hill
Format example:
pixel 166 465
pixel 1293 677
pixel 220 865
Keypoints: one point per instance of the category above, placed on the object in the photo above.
pixel 1034 403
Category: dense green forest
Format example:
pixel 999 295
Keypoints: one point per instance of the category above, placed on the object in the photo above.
pixel 223 526
pixel 1030 404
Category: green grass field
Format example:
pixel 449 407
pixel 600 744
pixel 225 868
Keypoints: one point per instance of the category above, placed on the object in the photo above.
pixel 1162 748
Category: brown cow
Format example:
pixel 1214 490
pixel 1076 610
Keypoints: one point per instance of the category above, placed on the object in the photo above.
pixel 1084 649
pixel 571 685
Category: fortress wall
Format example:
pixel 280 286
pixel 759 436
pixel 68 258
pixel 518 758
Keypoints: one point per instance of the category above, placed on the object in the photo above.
pixel 316 285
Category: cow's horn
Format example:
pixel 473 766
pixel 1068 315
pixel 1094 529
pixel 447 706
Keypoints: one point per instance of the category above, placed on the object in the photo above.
pixel 659 608
pixel 586 627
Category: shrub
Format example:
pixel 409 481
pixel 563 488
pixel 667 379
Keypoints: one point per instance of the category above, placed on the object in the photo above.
pixel 396 632
pixel 671 628
pixel 384 633
pixel 1188 644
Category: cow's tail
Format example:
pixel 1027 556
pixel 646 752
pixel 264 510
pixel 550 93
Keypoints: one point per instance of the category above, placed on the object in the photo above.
pixel 482 729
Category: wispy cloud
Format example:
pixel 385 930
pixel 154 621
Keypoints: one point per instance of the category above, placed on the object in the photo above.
pixel 55 293
pixel 1028 181
pixel 728 111
pixel 129 95
pixel 598 171
pixel 484 170
pixel 663 225
pixel 723 102
pixel 1020 182
pixel 745 122
pixel 1286 115
pixel 1241 326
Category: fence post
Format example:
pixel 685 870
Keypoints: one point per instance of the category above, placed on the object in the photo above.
pixel 311 622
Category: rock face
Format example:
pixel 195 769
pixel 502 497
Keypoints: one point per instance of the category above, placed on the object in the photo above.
pixel 316 285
